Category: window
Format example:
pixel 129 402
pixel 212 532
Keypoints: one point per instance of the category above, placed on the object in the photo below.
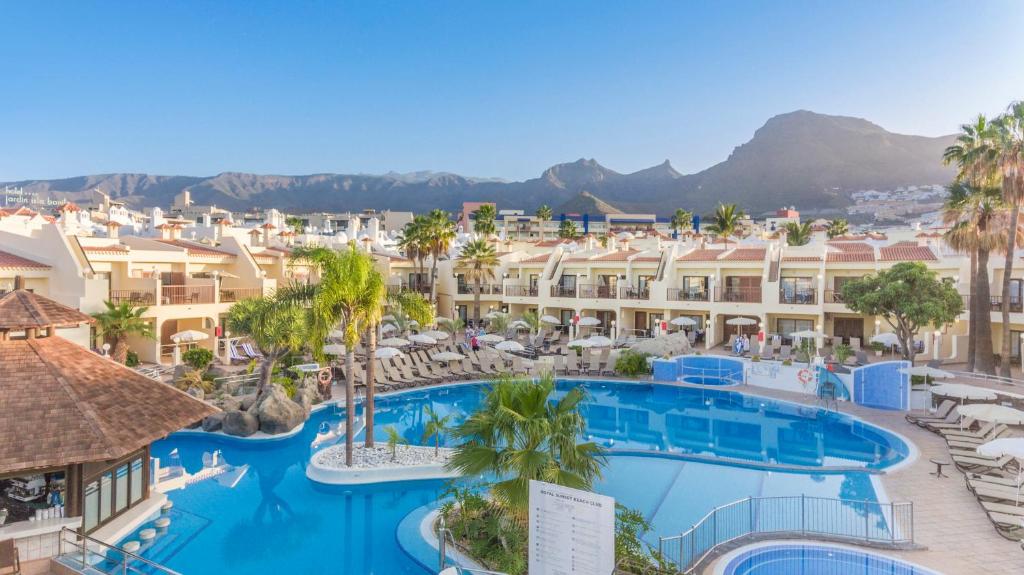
pixel 796 290
pixel 788 326
pixel 121 488
pixel 91 505
pixel 136 481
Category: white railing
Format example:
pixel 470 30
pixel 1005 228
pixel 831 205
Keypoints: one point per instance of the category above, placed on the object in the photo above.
pixel 84 554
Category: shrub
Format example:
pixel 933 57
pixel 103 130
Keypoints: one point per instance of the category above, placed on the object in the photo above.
pixel 191 379
pixel 132 359
pixel 842 352
pixel 877 346
pixel 289 385
pixel 632 364
pixel 787 361
pixel 755 358
pixel 198 358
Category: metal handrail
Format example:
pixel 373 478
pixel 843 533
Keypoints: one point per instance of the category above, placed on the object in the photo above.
pixel 749 516
pixel 81 551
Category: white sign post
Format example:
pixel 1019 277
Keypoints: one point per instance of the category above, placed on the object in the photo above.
pixel 572 532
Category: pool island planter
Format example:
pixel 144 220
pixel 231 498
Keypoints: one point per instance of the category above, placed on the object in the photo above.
pixel 412 463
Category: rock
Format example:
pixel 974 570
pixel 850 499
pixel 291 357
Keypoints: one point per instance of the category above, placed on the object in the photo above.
pixel 240 423
pixel 217 370
pixel 248 401
pixel 307 398
pixel 230 403
pixel 196 392
pixel 180 371
pixel 213 422
pixel 277 412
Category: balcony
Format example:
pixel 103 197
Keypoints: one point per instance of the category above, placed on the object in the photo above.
pixel 635 293
pixel 229 295
pixel 798 297
pixel 132 297
pixel 739 295
pixel 521 291
pixel 563 291
pixel 591 291
pixel 186 294
pixel 834 296
pixel 1016 304
pixel 676 294
pixel 485 289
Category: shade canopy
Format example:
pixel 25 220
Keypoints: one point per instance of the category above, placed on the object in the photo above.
pixel 447 356
pixel 682 321
pixel 442 319
pixel 436 334
pixel 599 341
pixel 589 321
pixel 887 339
pixel 492 314
pixel 925 371
pixel 21 309
pixel 334 349
pixel 585 342
pixel 422 339
pixel 189 335
pixel 386 352
pixel 961 391
pixel 741 321
pixel 394 342
pixel 510 345
pixel 1004 446
pixel 491 338
pixel 550 319
pixel 807 334
pixel 519 324
pixel 992 412
pixel 388 328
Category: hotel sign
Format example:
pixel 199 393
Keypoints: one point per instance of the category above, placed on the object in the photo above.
pixel 572 532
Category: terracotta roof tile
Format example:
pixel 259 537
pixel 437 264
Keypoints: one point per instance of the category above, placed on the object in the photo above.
pixel 111 249
pixel 22 309
pixel 700 255
pixel 801 259
pixel 619 256
pixel 64 404
pixel 852 246
pixel 855 256
pixel 746 255
pixel 197 249
pixel 550 243
pixel 11 261
pixel 903 253
pixel 537 259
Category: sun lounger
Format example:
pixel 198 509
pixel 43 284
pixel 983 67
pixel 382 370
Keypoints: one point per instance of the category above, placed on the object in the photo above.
pixel 785 352
pixel 594 367
pixel 1008 526
pixel 978 463
pixel 250 351
pixel 572 363
pixel 559 365
pixel 953 431
pixel 233 354
pixel 609 365
pixel 469 370
pixel 964 425
pixel 944 409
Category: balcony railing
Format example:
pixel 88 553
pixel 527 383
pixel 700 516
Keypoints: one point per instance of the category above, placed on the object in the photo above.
pixel 833 296
pixel 521 291
pixel 228 295
pixel 636 293
pixel 132 296
pixel 739 295
pixel 596 291
pixel 798 297
pixel 485 289
pixel 185 295
pixel 563 291
pixel 1016 304
pixel 676 294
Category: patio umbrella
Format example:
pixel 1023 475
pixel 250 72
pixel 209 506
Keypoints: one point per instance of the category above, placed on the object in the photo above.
pixel 992 412
pixel 189 336
pixel 519 324
pixel 550 319
pixel 807 333
pixel 422 339
pixel 510 345
pixel 963 392
pixel 436 334
pixel 442 319
pixel 683 321
pixel 447 356
pixel 888 339
pixel 1011 446
pixel 581 343
pixel 386 353
pixel 386 328
pixel 334 349
pixel 589 321
pixel 394 342
pixel 599 341
pixel 492 314
pixel 925 371
pixel 491 338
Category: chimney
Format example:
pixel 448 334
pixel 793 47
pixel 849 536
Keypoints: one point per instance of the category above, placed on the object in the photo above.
pixel 254 237
pixel 165 231
pixel 112 229
pixel 176 231
pixel 19 282
pixel 612 243
pixel 267 228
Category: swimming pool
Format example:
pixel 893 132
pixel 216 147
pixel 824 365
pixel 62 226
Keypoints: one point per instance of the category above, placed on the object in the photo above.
pixel 815 559
pixel 264 516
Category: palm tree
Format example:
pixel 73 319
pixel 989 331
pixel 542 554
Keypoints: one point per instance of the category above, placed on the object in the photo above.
pixel 440 234
pixel 480 258
pixel 454 326
pixel 436 427
pixel 413 242
pixel 567 230
pixel 521 433
pixel 682 220
pixel 1008 155
pixel 532 320
pixel 483 223
pixel 351 293
pixel 394 440
pixel 543 215
pixel 118 323
pixel 837 227
pixel 277 326
pixel 798 234
pixel 726 221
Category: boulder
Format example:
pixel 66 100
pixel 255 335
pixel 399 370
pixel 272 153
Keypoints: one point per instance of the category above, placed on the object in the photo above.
pixel 180 371
pixel 196 392
pixel 217 370
pixel 277 412
pixel 248 401
pixel 229 403
pixel 214 422
pixel 307 398
pixel 240 423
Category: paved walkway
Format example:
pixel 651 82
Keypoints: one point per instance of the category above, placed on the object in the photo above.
pixel 959 538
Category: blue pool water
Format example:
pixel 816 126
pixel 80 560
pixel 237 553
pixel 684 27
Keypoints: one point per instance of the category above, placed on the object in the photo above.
pixel 793 559
pixel 707 380
pixel 265 516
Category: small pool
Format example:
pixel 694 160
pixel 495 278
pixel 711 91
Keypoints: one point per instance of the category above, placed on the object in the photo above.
pixel 813 559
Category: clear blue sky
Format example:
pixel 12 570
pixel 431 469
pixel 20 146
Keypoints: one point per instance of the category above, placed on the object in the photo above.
pixel 480 88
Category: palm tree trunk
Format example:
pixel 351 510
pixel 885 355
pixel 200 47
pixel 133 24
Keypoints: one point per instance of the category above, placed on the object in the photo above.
pixel 433 279
pixel 266 374
pixel 120 352
pixel 983 360
pixel 972 310
pixel 476 303
pixel 371 369
pixel 350 403
pixel 1004 357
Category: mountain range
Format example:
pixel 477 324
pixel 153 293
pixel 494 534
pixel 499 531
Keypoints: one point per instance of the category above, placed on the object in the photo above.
pixel 809 160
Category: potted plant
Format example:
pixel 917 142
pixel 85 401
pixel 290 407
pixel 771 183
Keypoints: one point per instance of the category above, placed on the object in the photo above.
pixel 842 352
pixel 879 347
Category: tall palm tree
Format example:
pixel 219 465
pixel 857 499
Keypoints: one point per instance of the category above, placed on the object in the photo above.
pixel 543 215
pixel 726 221
pixel 567 230
pixel 1008 155
pixel 454 326
pixel 351 293
pixel 798 234
pixel 480 259
pixel 521 433
pixel 413 242
pixel 483 223
pixel 682 220
pixel 118 323
pixel 277 326
pixel 837 227
pixel 440 234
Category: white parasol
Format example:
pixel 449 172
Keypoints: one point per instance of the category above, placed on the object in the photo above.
pixel 436 334
pixel 491 338
pixel 888 339
pixel 741 321
pixel 386 353
pixel 422 339
pixel 510 345
pixel 925 371
pixel 683 321
pixel 963 392
pixel 599 341
pixel 550 319
pixel 189 336
pixel 992 412
pixel 394 342
pixel 1006 446
pixel 447 356
pixel 334 349
pixel 589 321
